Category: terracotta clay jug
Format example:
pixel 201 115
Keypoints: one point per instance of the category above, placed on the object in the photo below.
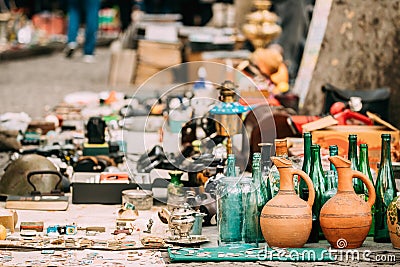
pixel 286 220
pixel 346 218
pixel 393 222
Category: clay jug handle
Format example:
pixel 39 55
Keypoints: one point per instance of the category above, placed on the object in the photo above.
pixel 306 178
pixel 370 187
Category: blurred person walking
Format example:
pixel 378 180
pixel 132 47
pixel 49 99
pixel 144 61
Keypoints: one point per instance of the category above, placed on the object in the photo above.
pixel 90 9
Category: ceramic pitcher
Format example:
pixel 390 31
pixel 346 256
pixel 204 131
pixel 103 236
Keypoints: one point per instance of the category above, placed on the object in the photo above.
pixel 393 222
pixel 346 218
pixel 286 220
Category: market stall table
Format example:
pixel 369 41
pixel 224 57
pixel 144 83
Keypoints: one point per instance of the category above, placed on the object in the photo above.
pixel 86 215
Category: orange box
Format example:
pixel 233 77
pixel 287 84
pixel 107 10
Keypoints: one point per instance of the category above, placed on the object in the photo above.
pixel 50 23
pixel 371 135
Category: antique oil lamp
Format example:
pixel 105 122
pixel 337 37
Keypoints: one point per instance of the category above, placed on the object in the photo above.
pixel 261 27
pixel 227 113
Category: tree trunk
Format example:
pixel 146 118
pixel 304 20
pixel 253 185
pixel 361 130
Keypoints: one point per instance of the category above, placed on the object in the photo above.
pixel 360 50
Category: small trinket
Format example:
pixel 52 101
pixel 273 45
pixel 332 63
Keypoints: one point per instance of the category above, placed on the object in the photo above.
pixel 152 242
pixel 149 225
pixel 71 230
pixel 48 251
pixel 122 231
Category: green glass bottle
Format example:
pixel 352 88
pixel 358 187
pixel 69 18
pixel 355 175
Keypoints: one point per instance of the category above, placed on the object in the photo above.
pixel 385 191
pixel 333 151
pixel 262 191
pixel 266 164
pixel 363 166
pixel 175 191
pixel 303 189
pixel 352 156
pixel 281 150
pixel 231 166
pixel 251 230
pixel 318 179
pixel 331 189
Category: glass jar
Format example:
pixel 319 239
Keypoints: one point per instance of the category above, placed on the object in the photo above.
pixel 175 191
pixel 229 211
pixel 250 224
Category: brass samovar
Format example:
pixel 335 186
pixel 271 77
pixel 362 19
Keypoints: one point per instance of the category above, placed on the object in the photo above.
pixel 261 27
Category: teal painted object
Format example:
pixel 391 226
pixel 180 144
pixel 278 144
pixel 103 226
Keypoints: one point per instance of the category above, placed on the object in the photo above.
pixel 249 253
pixel 229 108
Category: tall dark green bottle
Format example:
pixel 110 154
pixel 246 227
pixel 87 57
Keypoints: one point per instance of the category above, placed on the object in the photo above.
pixel 317 177
pixel 352 156
pixel 385 191
pixel 303 189
pixel 363 166
pixel 262 191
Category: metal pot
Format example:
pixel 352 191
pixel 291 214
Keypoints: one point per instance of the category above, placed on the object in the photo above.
pixel 181 221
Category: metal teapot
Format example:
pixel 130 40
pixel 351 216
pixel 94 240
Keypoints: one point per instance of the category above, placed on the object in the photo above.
pixel 181 221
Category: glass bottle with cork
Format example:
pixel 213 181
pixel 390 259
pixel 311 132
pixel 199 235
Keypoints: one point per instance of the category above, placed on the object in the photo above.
pixel 385 191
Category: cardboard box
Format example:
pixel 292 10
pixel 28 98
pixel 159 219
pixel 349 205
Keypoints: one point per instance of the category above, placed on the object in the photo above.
pixel 86 189
pixel 122 67
pixel 96 149
pixel 371 135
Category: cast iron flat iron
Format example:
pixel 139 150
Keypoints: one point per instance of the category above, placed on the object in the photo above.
pixel 53 200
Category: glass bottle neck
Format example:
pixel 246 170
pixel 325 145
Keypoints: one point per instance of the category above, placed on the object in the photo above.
pixel 265 155
pixel 230 168
pixel 333 151
pixel 385 152
pixel 256 172
pixel 307 149
pixel 352 149
pixel 316 160
pixel 364 156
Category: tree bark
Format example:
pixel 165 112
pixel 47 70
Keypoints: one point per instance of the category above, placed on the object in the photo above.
pixel 360 50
